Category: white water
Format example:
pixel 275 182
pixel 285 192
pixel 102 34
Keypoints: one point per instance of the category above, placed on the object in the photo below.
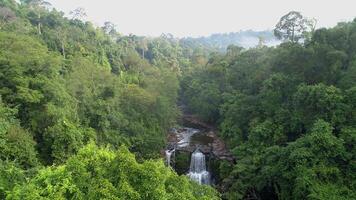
pixel 168 156
pixel 186 137
pixel 197 170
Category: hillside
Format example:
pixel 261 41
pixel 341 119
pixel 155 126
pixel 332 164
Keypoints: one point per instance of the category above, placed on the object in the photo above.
pixel 89 113
pixel 245 39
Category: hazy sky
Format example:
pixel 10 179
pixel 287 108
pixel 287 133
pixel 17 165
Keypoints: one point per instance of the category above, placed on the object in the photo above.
pixel 204 17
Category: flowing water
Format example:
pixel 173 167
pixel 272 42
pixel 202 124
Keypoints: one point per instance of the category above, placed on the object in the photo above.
pixel 168 156
pixel 187 134
pixel 186 138
pixel 197 170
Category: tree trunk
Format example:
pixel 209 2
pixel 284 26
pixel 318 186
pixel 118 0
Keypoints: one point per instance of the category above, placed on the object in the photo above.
pixel 39 24
pixel 63 50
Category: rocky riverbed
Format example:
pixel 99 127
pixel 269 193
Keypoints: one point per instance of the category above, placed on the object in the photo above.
pixel 202 136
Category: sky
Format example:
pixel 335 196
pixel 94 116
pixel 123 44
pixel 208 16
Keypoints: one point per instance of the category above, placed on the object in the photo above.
pixel 193 18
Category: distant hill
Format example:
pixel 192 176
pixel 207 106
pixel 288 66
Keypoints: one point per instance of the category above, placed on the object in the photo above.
pixel 246 39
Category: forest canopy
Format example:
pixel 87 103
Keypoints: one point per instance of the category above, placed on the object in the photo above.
pixel 287 113
pixel 85 110
pixel 74 99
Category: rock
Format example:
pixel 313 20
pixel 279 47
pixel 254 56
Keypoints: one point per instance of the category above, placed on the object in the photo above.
pixel 217 146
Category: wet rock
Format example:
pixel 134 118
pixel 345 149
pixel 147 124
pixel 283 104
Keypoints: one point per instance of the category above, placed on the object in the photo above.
pixel 208 142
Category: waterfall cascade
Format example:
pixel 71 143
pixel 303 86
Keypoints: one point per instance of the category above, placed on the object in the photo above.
pixel 169 156
pixel 197 170
pixel 188 133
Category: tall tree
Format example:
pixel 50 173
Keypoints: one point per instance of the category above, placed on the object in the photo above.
pixel 38 6
pixel 293 27
pixel 78 14
pixel 143 45
pixel 109 28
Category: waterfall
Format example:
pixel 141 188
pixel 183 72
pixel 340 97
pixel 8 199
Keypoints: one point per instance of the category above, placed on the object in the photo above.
pixel 197 170
pixel 168 156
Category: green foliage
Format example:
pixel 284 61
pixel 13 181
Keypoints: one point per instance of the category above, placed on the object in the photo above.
pixel 181 162
pixel 71 82
pixel 65 139
pixel 287 113
pixel 16 144
pixel 319 102
pixel 10 175
pixel 98 173
pixel 64 83
pixel 293 27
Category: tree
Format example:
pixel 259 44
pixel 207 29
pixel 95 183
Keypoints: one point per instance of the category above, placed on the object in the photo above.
pixel 9 3
pixel 261 41
pixel 293 27
pixel 78 14
pixel 98 173
pixel 10 175
pixel 6 16
pixel 233 50
pixel 38 6
pixel 16 144
pixel 62 37
pixel 319 102
pixel 109 28
pixel 143 46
